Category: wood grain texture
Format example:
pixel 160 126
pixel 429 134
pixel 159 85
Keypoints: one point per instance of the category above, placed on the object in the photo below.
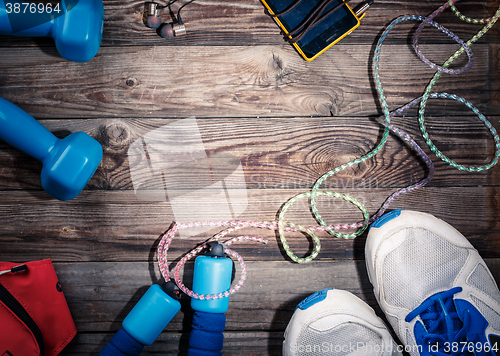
pixel 116 226
pixel 274 153
pixel 218 81
pixel 235 23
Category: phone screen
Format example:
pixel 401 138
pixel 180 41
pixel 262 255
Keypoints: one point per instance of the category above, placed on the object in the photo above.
pixel 321 35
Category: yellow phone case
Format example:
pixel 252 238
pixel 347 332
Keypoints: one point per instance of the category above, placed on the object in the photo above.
pixel 297 47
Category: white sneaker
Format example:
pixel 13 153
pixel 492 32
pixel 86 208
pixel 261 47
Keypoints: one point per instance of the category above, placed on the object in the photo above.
pixel 336 322
pixel 433 286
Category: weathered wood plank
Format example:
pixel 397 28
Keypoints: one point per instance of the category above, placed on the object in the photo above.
pixel 274 153
pixel 236 23
pixel 495 71
pixel 246 23
pixel 116 226
pixel 264 81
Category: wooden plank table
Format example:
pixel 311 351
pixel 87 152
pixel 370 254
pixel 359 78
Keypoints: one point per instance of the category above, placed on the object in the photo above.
pixel 284 121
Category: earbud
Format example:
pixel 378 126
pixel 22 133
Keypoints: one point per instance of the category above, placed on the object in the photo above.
pixel 172 30
pixel 153 20
pixel 167 31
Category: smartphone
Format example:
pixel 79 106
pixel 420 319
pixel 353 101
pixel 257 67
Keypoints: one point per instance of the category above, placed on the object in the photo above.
pixel 321 36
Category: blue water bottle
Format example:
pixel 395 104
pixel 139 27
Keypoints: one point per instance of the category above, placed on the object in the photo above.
pixel 212 275
pixel 145 321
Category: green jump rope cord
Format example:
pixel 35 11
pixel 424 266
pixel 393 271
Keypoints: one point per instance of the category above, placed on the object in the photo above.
pixel 311 195
pixel 425 97
pixel 467 19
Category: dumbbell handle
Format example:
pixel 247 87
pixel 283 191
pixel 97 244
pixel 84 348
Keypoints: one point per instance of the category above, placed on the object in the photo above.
pixel 21 130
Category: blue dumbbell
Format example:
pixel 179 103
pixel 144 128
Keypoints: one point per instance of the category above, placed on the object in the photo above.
pixel 75 25
pixel 68 164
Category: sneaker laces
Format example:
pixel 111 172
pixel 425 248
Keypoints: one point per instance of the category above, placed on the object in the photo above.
pixel 447 333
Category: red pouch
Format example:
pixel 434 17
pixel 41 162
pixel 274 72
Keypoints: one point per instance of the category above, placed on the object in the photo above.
pixel 34 317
